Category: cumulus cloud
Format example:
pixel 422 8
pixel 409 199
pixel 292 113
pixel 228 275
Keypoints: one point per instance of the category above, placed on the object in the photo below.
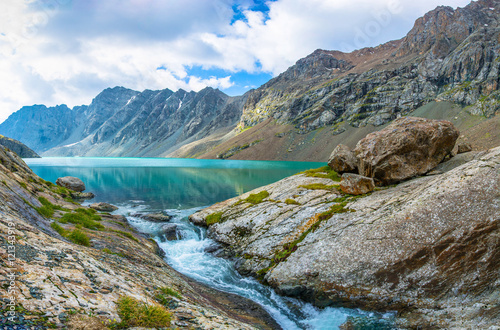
pixel 67 51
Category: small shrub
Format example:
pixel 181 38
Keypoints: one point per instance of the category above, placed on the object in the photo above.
pixel 134 313
pixel 79 237
pixel 290 201
pixel 58 228
pixel 213 218
pixel 257 198
pixel 171 292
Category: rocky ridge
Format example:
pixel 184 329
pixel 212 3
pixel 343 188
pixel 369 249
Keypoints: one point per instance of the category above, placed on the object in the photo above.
pixel 123 122
pixel 19 148
pixel 449 55
pixel 427 248
pixel 49 281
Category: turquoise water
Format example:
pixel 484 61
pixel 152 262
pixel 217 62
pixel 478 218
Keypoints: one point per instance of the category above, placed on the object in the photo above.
pixel 180 187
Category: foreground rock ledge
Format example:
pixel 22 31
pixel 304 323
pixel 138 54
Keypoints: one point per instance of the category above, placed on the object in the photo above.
pixel 427 248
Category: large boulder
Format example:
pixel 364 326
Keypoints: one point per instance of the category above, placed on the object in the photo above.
pixel 354 184
pixel 343 160
pixel 71 183
pixel 406 148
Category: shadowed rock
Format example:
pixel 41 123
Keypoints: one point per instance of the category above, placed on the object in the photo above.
pixel 343 160
pixel 103 207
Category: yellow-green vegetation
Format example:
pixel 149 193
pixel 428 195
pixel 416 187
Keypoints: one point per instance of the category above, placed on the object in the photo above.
pixel 170 292
pixel 58 228
pixel 108 251
pixel 47 183
pixel 134 313
pixel 290 201
pixel 213 218
pixel 79 237
pixel 323 172
pixel 125 234
pixel 64 192
pixel 22 184
pixel 47 209
pixel 85 217
pixel 257 198
pixel 318 186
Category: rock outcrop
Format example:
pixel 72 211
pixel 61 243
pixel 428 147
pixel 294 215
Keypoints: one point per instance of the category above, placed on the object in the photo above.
pixel 406 148
pixel 71 183
pixel 427 248
pixel 343 160
pixel 103 207
pixel 51 282
pixel 19 148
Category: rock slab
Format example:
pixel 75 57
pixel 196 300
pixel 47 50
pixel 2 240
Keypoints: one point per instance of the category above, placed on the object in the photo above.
pixel 103 207
pixel 406 148
pixel 71 183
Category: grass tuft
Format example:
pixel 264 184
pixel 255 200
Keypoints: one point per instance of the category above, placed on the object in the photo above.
pixel 290 201
pixel 79 237
pixel 323 172
pixel 134 313
pixel 318 186
pixel 58 228
pixel 85 217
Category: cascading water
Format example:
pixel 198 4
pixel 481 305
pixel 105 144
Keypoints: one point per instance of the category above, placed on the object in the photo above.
pixel 188 255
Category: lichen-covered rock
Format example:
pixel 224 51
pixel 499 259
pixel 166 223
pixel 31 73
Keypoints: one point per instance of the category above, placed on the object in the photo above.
pixel 71 183
pixel 103 207
pixel 354 184
pixel 427 248
pixel 406 148
pixel 343 160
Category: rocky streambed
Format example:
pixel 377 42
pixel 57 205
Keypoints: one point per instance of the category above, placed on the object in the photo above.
pixel 427 248
pixel 68 266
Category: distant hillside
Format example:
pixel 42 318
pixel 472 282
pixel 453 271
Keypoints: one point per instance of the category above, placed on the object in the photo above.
pixel 19 148
pixel 447 66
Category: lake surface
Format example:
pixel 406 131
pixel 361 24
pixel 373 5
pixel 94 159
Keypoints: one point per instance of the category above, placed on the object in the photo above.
pixel 180 187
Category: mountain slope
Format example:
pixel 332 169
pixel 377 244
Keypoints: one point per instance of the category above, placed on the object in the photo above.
pixel 19 148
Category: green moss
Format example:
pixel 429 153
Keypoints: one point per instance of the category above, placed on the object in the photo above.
pixel 22 184
pixel 290 201
pixel 58 228
pixel 213 218
pixel 134 313
pixel 5 183
pixel 323 172
pixel 84 217
pixel 79 237
pixel 170 292
pixel 257 198
pixel 317 186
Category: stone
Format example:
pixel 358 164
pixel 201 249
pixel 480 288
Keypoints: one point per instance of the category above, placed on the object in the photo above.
pixel 343 160
pixel 406 148
pixel 464 147
pixel 354 184
pixel 103 207
pixel 156 217
pixel 82 195
pixel 71 183
pixel 169 231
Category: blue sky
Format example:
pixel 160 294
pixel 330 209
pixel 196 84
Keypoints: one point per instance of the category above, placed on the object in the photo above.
pixel 67 51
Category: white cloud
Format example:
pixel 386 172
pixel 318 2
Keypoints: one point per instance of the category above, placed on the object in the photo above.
pixel 63 51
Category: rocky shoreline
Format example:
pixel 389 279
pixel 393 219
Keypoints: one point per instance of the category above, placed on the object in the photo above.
pixel 426 248
pixel 48 281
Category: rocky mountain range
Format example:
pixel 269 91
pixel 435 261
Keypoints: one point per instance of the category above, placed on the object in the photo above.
pixel 450 57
